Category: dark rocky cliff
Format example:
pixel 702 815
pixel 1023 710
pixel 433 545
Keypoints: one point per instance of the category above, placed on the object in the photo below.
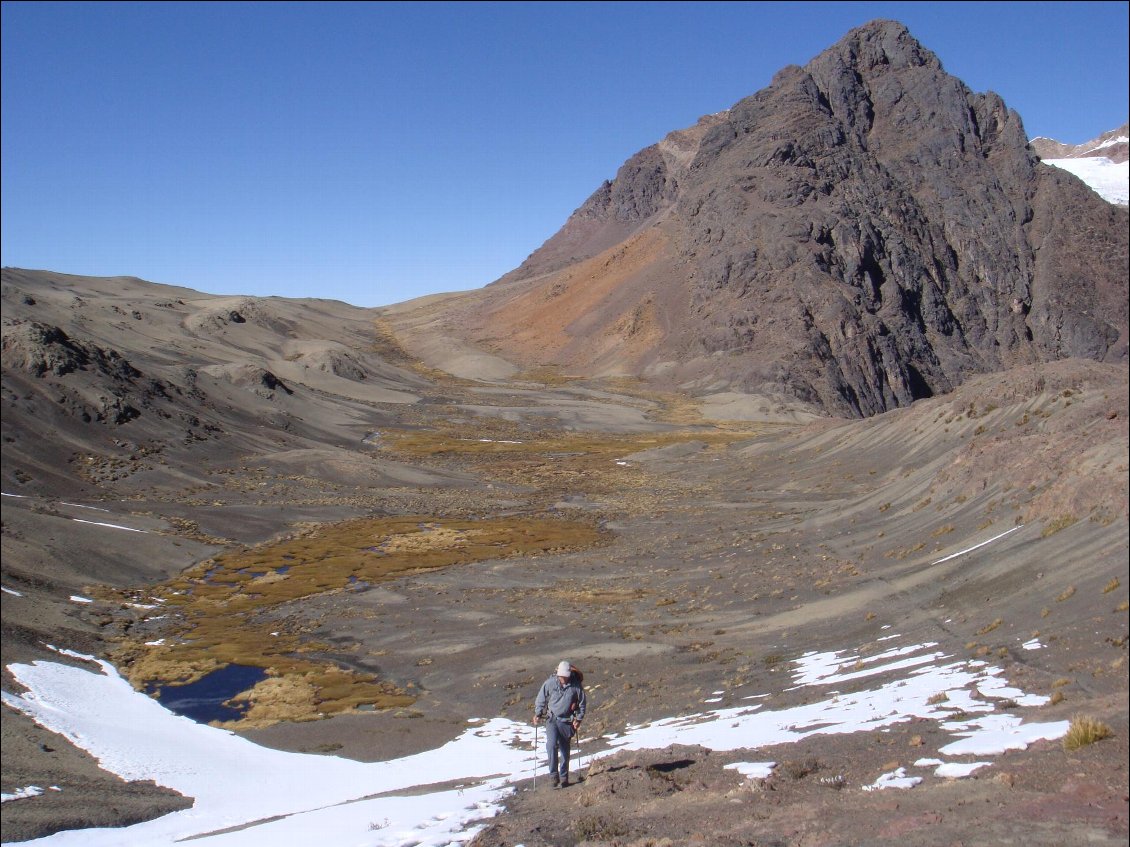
pixel 887 214
pixel 864 232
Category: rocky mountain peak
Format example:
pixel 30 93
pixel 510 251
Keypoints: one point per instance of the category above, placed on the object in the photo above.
pixel 881 46
pixel 864 232
pixel 644 186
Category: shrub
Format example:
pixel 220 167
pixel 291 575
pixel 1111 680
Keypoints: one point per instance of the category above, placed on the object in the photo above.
pixel 1062 522
pixel 799 770
pixel 1083 731
pixel 596 827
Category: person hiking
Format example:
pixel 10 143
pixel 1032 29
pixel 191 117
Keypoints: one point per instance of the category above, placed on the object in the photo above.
pixel 561 702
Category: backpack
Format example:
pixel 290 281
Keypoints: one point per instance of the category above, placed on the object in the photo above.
pixel 576 675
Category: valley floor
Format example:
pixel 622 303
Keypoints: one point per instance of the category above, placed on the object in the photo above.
pixel 690 565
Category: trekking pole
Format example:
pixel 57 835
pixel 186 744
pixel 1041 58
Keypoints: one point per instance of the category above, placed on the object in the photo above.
pixel 577 741
pixel 535 753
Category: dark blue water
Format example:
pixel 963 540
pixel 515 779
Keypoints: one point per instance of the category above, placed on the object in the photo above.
pixel 203 700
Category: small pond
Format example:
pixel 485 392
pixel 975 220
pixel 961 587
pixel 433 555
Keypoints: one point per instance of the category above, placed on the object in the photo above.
pixel 204 700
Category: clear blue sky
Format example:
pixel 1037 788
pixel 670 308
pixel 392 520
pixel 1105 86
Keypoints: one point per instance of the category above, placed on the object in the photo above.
pixel 376 152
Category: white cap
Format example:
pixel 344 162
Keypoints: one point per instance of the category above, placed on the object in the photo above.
pixel 564 669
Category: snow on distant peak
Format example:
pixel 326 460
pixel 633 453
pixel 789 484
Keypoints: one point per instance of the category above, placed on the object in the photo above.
pixel 1110 142
pixel 1113 144
pixel 1110 180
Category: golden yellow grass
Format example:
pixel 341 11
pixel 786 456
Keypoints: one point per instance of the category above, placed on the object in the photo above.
pixel 231 609
pixel 1084 730
pixel 222 608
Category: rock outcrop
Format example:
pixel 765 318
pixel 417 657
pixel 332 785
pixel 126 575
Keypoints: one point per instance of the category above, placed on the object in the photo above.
pixel 862 233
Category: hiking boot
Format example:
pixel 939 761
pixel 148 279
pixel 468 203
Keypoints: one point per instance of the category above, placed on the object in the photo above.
pixel 564 783
pixel 554 782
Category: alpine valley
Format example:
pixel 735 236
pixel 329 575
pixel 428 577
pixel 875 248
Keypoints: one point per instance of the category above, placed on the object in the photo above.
pixel 838 372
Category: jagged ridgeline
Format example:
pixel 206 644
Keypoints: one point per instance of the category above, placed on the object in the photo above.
pixel 864 232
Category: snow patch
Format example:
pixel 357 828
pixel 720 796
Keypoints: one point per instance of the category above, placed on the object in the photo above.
pixel 958 770
pixel 752 770
pixel 1110 180
pixel 894 779
pixel 246 795
pixel 21 793
pixel 110 525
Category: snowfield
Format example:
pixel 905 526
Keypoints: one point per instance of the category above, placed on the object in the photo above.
pixel 1110 180
pixel 247 795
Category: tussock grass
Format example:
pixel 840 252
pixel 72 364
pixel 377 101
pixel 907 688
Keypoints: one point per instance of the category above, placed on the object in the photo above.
pixel 800 769
pixel 1085 730
pixel 226 608
pixel 599 828
pixel 566 448
pixel 597 596
pixel 1060 523
pixel 546 375
pixel 990 627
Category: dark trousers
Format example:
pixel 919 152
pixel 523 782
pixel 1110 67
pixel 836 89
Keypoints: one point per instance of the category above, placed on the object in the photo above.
pixel 557 742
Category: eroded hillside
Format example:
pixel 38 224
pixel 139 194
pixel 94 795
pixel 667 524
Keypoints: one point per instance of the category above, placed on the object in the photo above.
pixel 863 233
pixel 400 548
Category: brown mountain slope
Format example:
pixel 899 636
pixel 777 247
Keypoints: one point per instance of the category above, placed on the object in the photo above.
pixel 726 550
pixel 863 233
pixel 134 380
pixel 1110 145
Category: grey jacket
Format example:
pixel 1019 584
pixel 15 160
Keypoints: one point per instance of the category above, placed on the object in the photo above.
pixel 562 701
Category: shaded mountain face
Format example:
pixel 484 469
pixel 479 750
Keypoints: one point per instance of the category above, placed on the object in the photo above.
pixel 862 233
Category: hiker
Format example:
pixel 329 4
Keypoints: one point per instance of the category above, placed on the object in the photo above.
pixel 561 702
